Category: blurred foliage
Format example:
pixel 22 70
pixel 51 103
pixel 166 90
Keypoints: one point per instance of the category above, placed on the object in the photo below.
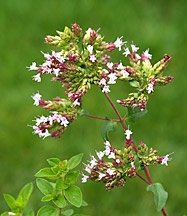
pixel 158 25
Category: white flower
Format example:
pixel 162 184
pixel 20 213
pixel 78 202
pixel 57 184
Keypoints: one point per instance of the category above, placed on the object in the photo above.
pixel 146 54
pixel 93 162
pixel 138 56
pixel 90 49
pixel 132 165
pixel 166 159
pixel 110 171
pixel 107 143
pixel 56 71
pixel 84 178
pixel 107 150
pixel 127 52
pixel 102 81
pixel 75 103
pixel 37 78
pixel 105 89
pixel 58 56
pixel 124 73
pixel 119 43
pixel 105 70
pixel 120 66
pixel 113 78
pixel 118 160
pixel 33 66
pixel 112 155
pixel 110 65
pixel 100 154
pixel 150 88
pixel 40 120
pixel 101 175
pixel 88 168
pixel 46 55
pixel 64 121
pixel 47 64
pixel 11 213
pixel 128 134
pixel 46 134
pixel 36 98
pixel 134 48
pixel 93 58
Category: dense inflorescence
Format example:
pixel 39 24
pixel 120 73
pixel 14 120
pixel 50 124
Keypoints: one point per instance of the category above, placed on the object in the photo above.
pixel 114 166
pixel 82 61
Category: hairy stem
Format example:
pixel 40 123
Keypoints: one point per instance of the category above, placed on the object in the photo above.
pixel 107 119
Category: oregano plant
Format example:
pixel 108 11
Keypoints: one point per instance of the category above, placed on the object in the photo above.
pixel 83 60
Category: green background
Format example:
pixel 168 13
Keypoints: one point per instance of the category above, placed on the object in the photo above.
pixel 160 25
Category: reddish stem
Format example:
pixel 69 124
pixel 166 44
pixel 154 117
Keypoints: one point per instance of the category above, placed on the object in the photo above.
pixel 107 119
pixel 142 178
pixel 134 146
pixel 116 111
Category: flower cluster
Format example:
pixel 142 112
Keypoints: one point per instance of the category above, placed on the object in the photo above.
pixel 56 121
pixel 84 60
pixel 113 166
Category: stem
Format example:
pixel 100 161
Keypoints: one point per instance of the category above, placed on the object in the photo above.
pixel 134 146
pixel 142 178
pixel 148 175
pixel 116 111
pixel 107 119
pixel 60 211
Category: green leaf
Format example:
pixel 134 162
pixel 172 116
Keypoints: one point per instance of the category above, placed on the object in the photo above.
pixel 47 198
pixel 60 201
pixel 107 127
pixel 134 113
pixel 26 192
pixel 74 195
pixel 45 172
pixel 68 212
pixel 74 161
pixel 84 203
pixel 44 186
pixel 84 112
pixel 60 185
pixel 134 83
pixel 71 178
pixel 160 195
pixel 48 211
pixel 53 161
pixel 10 200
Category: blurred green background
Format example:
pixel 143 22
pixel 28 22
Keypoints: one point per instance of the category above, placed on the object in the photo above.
pixel 158 25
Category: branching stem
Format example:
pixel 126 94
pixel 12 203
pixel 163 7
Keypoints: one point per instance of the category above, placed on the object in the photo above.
pixel 134 146
pixel 107 119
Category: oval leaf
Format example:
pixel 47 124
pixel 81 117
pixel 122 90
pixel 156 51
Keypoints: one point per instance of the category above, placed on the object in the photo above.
pixel 44 186
pixel 60 201
pixel 74 195
pixel 107 127
pixel 10 200
pixel 45 172
pixel 53 161
pixel 160 195
pixel 48 211
pixel 68 212
pixel 71 178
pixel 47 198
pixel 134 113
pixel 74 161
pixel 60 185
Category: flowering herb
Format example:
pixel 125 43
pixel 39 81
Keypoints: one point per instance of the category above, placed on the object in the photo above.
pixel 83 60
